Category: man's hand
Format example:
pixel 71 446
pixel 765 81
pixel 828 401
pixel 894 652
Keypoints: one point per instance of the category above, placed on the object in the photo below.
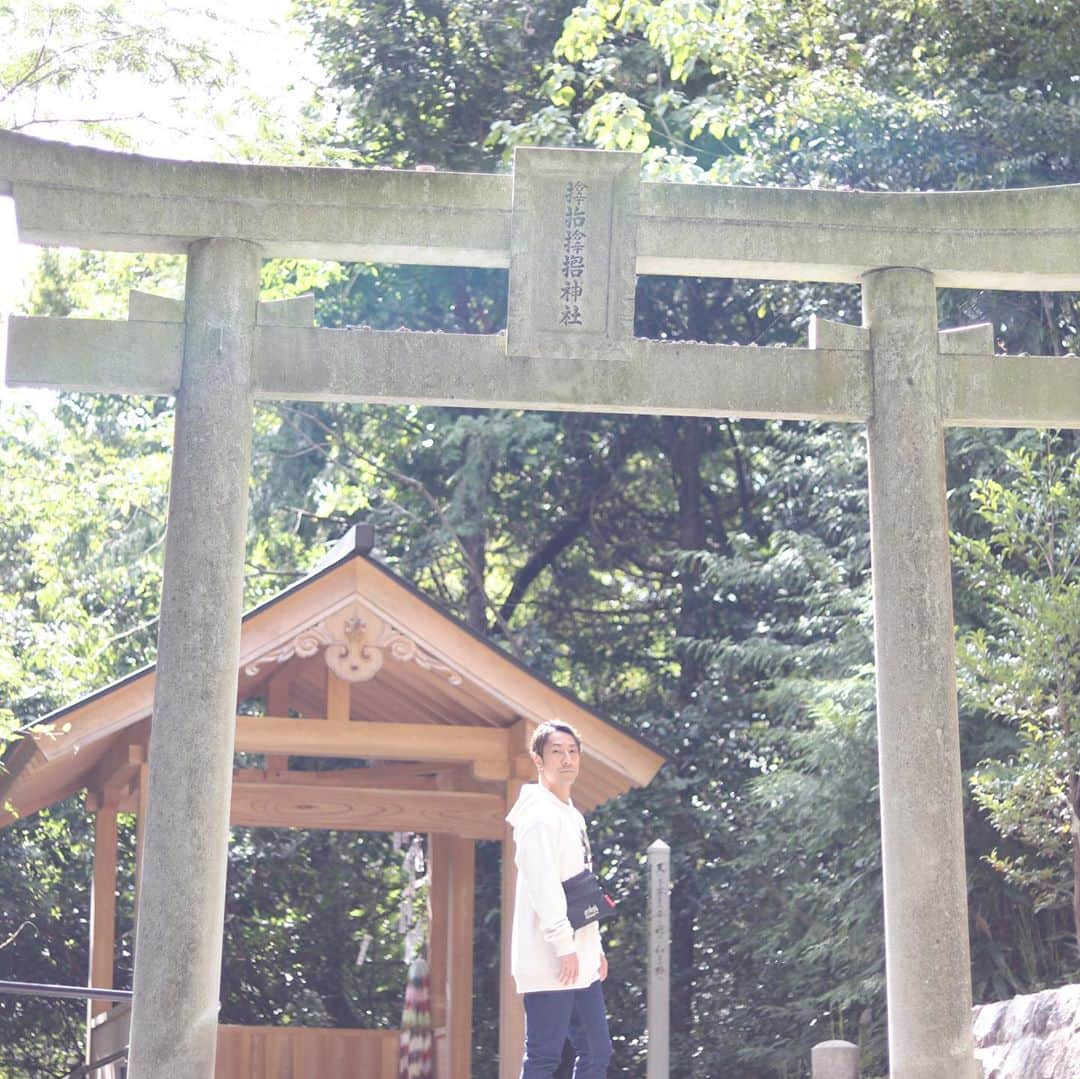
pixel 603 967
pixel 568 969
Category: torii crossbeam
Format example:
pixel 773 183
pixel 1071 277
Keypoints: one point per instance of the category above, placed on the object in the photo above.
pixel 574 228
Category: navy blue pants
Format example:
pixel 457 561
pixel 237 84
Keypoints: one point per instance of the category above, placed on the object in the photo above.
pixel 551 1018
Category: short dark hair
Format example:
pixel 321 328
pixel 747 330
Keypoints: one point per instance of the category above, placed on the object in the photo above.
pixel 546 730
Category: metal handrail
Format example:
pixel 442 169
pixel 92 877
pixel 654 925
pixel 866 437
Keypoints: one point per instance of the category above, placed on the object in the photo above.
pixel 68 992
pixel 86 1069
pixel 72 992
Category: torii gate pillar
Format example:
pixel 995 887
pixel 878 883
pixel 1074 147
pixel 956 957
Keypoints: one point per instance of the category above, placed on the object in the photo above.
pixel 182 893
pixel 922 824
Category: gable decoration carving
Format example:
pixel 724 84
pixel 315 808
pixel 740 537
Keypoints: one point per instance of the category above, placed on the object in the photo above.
pixel 355 647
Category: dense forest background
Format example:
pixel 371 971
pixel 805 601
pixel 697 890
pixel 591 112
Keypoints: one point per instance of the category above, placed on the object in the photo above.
pixel 705 582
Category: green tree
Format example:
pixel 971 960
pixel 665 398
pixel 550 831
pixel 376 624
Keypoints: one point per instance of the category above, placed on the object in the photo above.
pixel 423 81
pixel 61 55
pixel 1021 667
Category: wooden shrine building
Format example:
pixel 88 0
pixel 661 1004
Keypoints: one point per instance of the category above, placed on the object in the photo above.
pixel 353 663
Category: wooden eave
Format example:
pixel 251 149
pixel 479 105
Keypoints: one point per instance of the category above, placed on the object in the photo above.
pixel 434 675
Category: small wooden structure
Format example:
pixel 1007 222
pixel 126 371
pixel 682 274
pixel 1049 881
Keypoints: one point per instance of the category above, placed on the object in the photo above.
pixel 350 662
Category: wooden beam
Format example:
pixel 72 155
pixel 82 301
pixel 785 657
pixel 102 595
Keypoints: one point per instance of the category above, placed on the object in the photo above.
pixel 103 908
pixel 393 694
pixel 86 723
pixel 379 777
pixel 140 831
pixel 511 1009
pixel 380 741
pixel 297 1052
pixel 338 698
pixel 491 771
pixel 114 772
pixel 27 806
pixel 463 777
pixel 392 773
pixel 440 853
pixel 459 1002
pixel 18 757
pixel 290 805
pixel 513 687
pixel 278 692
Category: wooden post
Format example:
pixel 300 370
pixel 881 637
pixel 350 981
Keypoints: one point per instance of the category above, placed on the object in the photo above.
pixel 103 908
pixel 460 954
pixel 439 853
pixel 337 698
pixel 277 704
pixel 511 1009
pixel 140 833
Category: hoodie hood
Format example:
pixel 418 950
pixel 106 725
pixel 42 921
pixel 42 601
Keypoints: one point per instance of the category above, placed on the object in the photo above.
pixel 534 799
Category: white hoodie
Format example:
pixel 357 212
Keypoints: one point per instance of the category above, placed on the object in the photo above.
pixel 552 846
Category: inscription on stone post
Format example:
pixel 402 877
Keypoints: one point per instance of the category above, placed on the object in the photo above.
pixel 572 254
pixel 658 1001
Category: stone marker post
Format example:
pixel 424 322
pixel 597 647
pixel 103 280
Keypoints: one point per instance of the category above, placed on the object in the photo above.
pixel 926 930
pixel 182 895
pixel 658 1006
pixel 834 1060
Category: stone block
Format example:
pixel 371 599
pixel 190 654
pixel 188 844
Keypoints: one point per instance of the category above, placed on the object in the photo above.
pixel 834 1060
pixel 293 311
pixel 971 340
pixel 1036 1036
pixel 149 307
pixel 99 199
pixel 572 253
pixel 827 333
pixel 1020 239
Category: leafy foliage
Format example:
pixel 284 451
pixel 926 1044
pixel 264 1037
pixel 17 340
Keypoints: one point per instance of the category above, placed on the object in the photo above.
pixel 422 81
pixel 61 53
pixel 1021 666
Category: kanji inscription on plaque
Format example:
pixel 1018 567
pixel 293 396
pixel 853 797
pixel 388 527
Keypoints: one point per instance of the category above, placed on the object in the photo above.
pixel 572 254
pixel 575 220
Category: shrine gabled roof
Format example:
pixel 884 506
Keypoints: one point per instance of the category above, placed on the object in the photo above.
pixel 404 658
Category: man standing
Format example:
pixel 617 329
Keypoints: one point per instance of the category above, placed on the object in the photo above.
pixel 557 970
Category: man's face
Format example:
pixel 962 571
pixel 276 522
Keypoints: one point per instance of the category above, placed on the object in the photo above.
pixel 560 761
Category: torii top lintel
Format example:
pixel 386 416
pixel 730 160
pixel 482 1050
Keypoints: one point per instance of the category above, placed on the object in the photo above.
pixel 1015 239
pixel 576 228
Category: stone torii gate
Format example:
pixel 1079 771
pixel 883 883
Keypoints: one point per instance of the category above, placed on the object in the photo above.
pixel 574 228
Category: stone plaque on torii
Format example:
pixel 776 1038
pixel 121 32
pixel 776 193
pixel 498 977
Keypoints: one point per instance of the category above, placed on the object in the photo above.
pixel 575 228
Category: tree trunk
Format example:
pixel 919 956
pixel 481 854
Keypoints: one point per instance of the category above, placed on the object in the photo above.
pixel 685 440
pixel 475 546
pixel 472 503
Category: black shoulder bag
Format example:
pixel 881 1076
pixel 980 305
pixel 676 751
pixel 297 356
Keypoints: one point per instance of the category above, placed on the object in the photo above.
pixel 586 900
